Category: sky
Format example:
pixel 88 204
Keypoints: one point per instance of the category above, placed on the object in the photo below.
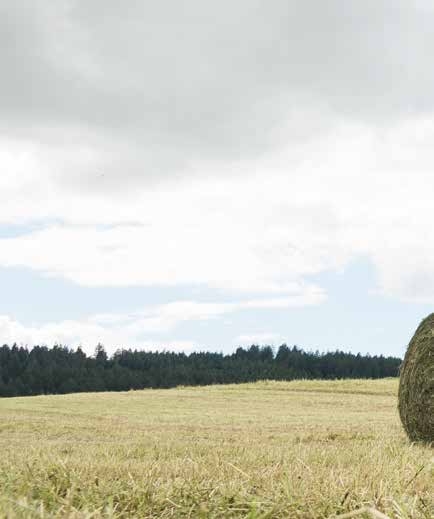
pixel 199 175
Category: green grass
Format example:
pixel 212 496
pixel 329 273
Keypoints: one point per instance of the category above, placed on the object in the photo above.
pixel 270 449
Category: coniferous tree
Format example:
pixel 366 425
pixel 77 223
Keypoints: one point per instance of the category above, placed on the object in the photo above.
pixel 42 370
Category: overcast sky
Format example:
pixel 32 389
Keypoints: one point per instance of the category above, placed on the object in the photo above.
pixel 201 175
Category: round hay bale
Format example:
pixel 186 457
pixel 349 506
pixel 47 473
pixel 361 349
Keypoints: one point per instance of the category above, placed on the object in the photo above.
pixel 416 384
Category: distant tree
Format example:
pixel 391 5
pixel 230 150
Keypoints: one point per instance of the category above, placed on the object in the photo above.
pixel 101 356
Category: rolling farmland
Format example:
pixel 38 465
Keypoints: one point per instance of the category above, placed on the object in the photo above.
pixel 269 449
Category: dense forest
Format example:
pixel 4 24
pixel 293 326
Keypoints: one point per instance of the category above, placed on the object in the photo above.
pixel 43 370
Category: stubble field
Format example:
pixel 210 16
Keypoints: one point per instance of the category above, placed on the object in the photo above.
pixel 300 449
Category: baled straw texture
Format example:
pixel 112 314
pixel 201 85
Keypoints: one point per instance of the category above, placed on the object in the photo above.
pixel 416 385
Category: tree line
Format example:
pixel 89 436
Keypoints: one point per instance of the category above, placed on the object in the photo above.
pixel 43 370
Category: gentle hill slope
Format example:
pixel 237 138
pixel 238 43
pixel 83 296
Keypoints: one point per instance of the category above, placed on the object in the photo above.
pixel 269 449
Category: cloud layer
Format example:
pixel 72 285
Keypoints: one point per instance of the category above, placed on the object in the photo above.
pixel 244 147
pixel 143 328
pixel 360 191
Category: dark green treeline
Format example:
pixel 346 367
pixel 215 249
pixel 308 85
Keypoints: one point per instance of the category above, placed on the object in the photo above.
pixel 43 370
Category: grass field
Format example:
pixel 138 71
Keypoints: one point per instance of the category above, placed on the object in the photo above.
pixel 270 449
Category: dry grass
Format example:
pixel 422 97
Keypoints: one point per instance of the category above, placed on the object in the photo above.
pixel 271 449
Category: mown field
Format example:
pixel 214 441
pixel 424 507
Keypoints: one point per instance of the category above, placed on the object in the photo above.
pixel 269 449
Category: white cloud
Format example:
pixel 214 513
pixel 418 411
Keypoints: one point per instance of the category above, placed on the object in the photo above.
pixel 258 226
pixel 141 329
pixel 84 333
